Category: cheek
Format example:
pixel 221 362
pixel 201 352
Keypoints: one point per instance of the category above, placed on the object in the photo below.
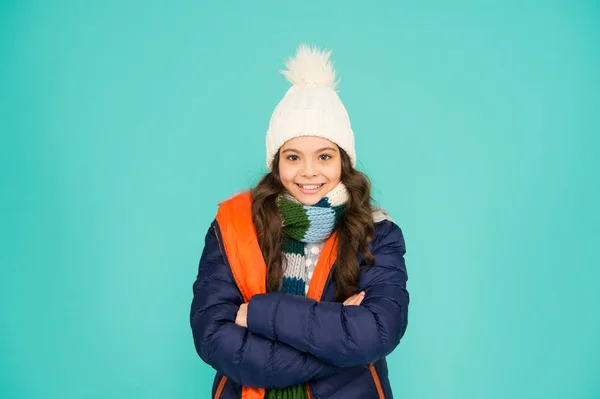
pixel 286 174
pixel 334 173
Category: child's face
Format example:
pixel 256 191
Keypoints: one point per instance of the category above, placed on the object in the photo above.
pixel 309 167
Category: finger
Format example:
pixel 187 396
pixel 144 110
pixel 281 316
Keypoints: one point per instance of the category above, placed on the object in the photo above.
pixel 355 300
pixel 350 301
pixel 360 297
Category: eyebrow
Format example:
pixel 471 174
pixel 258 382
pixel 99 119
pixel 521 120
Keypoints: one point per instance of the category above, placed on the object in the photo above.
pixel 319 150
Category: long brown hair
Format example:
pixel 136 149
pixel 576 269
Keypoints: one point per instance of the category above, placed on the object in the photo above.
pixel 355 229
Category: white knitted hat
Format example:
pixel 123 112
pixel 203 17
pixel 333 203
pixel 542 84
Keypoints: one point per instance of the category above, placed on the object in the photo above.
pixel 311 107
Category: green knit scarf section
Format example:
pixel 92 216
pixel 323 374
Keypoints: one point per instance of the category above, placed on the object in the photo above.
pixel 294 392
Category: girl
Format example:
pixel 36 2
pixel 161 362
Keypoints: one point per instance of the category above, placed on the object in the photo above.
pixel 301 288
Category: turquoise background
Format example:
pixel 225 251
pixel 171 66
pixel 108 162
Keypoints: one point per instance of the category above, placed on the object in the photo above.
pixel 123 123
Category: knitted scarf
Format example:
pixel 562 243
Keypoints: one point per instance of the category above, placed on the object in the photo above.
pixel 305 230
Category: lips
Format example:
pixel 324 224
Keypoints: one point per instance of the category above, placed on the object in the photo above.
pixel 310 188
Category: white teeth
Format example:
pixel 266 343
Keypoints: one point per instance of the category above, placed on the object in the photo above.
pixel 311 187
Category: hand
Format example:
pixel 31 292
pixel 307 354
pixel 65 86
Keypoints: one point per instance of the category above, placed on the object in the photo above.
pixel 242 316
pixel 355 299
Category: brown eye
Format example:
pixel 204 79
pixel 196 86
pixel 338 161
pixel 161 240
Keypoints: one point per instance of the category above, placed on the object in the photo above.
pixel 292 158
pixel 325 157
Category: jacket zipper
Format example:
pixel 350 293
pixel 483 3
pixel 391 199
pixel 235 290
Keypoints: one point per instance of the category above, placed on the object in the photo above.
pixel 220 387
pixel 376 380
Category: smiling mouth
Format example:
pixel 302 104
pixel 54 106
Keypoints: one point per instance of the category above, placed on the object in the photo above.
pixel 310 188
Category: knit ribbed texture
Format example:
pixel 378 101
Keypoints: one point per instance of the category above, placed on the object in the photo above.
pixel 312 223
pixel 305 228
pixel 294 392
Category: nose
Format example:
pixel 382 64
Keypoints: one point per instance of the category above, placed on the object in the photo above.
pixel 309 169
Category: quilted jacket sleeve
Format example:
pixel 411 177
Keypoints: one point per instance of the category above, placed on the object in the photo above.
pixel 346 336
pixel 242 356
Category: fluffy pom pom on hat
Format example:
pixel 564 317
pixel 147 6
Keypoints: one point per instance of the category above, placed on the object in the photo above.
pixel 311 107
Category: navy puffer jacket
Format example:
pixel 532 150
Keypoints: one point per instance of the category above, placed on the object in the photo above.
pixel 339 350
